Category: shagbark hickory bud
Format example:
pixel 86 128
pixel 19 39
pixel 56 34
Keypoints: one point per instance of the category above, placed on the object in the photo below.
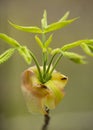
pixel 38 96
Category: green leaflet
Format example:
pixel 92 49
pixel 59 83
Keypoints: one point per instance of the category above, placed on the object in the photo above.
pixel 6 55
pixel 87 49
pixel 58 25
pixel 39 42
pixel 90 47
pixel 25 53
pixel 44 49
pixel 74 57
pixel 75 44
pixel 32 29
pixel 48 41
pixel 65 16
pixel 44 20
pixel 9 40
pixel 55 51
pixel 71 45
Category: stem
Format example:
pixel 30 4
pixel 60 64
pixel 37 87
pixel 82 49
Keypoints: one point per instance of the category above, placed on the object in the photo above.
pixel 37 65
pixel 56 62
pixel 50 63
pixel 48 76
pixel 44 60
pixel 46 120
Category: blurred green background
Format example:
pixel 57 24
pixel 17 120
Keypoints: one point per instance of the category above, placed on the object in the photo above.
pixel 75 112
